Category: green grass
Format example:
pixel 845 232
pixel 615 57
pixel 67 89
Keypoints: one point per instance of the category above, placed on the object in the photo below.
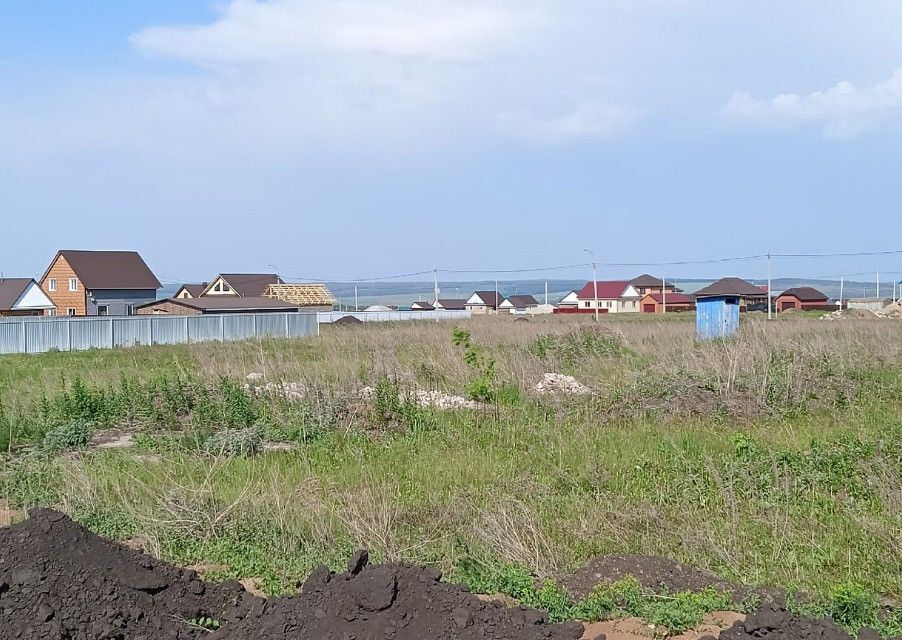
pixel 789 475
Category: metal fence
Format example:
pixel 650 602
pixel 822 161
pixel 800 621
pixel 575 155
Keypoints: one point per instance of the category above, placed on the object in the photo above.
pixel 38 335
pixel 328 317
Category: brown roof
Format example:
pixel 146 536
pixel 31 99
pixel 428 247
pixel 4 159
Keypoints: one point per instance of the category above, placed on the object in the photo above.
pixel 249 285
pixel 647 280
pixel 805 294
pixel 731 287
pixel 302 295
pixel 195 289
pixel 523 301
pixel 488 296
pixel 452 303
pixel 109 269
pixel 422 306
pixel 230 303
pixel 11 289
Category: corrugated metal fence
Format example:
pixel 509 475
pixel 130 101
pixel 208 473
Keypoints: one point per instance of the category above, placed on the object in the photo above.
pixel 37 335
pixel 328 317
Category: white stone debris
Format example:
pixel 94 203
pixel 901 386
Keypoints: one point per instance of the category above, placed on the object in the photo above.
pixel 291 391
pixel 558 383
pixel 426 399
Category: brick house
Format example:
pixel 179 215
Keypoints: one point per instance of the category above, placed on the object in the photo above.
pixel 801 298
pixel 749 297
pixel 674 301
pixel 98 283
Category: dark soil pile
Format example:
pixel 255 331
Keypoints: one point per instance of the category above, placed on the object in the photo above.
pixel 58 580
pixel 393 602
pixel 774 623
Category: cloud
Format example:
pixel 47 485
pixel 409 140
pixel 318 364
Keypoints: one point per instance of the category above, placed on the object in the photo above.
pixel 590 119
pixel 286 30
pixel 843 110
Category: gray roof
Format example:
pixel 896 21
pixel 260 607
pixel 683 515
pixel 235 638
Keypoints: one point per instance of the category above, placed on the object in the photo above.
pixel 109 269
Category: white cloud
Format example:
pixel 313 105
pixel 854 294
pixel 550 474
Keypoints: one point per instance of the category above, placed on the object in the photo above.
pixel 590 119
pixel 286 30
pixel 843 110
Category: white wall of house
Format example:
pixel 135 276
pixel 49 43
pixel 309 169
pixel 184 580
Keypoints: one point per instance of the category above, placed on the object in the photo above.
pixel 219 287
pixel 33 299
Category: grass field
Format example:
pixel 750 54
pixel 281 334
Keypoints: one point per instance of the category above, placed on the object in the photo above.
pixel 771 459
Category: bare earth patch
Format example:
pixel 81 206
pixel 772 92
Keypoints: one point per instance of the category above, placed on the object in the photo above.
pixel 635 628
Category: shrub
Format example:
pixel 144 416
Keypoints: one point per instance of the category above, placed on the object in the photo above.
pixel 72 435
pixel 481 386
pixel 236 443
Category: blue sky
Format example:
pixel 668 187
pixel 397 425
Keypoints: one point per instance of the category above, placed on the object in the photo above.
pixel 350 138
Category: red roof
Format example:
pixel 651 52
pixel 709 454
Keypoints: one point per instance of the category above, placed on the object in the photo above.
pixel 673 298
pixel 607 289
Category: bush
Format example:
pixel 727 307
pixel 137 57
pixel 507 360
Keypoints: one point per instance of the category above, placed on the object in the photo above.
pixel 236 443
pixel 481 386
pixel 72 435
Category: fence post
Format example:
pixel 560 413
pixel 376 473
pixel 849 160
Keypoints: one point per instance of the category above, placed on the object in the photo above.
pixel 150 320
pixel 221 328
pixel 68 335
pixel 24 337
pixel 112 337
pixel 187 331
pixel 254 316
pixel 287 331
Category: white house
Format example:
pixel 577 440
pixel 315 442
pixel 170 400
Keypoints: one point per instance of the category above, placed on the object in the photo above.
pixel 613 296
pixel 24 297
pixel 569 301
pixel 484 301
pixel 518 304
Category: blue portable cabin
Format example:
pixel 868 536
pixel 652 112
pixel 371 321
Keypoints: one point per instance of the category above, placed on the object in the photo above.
pixel 718 306
pixel 717 316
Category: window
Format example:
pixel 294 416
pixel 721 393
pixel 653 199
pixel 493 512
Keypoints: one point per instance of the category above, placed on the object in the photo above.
pixel 73 284
pixel 587 304
pixel 608 304
pixel 70 311
pixel 103 310
pixel 51 284
pixel 51 312
pixel 129 309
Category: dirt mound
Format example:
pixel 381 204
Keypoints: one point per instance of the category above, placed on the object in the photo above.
pixel 58 580
pixel 773 623
pixel 351 321
pixel 659 574
pixel 394 601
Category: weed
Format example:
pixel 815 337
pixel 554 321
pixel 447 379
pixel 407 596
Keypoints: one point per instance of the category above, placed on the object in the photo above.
pixel 72 435
pixel 481 386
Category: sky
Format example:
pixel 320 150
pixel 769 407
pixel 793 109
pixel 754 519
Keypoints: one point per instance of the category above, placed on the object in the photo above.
pixel 344 139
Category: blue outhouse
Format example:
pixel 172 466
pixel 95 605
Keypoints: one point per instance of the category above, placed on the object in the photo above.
pixel 717 316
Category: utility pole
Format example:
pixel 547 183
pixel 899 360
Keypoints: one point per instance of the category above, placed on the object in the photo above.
pixel 663 295
pixel 842 282
pixel 594 281
pixel 546 293
pixel 496 297
pixel 356 306
pixel 435 282
pixel 878 284
pixel 768 287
